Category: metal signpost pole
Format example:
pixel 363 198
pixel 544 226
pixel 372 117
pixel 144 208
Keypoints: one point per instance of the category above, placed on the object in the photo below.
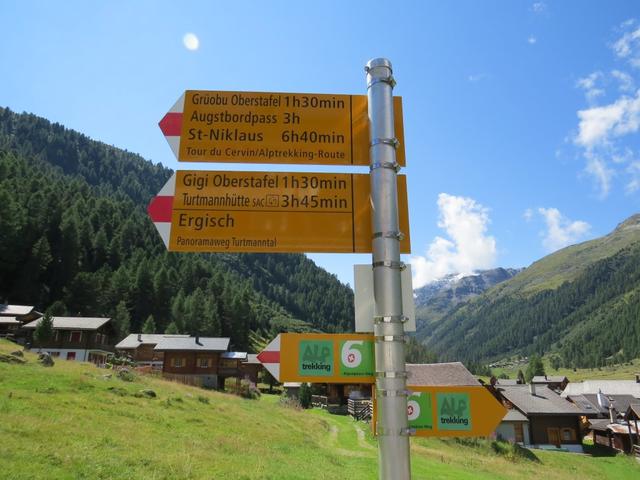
pixel 391 382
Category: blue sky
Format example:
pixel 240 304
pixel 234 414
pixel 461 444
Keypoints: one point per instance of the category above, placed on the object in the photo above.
pixel 521 117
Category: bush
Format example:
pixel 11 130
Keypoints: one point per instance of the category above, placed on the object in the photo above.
pixel 305 396
pixel 246 389
pixel 290 402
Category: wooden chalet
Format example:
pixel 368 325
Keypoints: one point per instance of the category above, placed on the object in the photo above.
pixel 618 435
pixel 140 347
pixel 193 360
pixel 84 339
pixel 13 317
pixel 551 421
pixel 556 383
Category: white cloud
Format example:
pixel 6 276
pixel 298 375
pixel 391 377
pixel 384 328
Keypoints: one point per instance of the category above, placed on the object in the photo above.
pixel 626 83
pixel 561 231
pixel 600 124
pixel 598 169
pixel 191 41
pixel 590 86
pixel 628 46
pixel 532 40
pixel 477 77
pixel 605 130
pixel 528 214
pixel 538 7
pixel 468 248
pixel 634 172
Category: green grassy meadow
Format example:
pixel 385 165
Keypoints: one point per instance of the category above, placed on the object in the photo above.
pixel 74 421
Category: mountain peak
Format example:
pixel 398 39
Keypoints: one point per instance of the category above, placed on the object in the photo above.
pixel 632 222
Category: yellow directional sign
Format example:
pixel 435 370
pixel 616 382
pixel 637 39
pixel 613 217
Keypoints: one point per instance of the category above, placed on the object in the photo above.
pixel 223 211
pixel 451 411
pixel 259 127
pixel 320 358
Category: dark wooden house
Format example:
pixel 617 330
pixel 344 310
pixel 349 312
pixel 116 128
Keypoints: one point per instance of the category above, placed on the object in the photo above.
pixel 13 317
pixel 140 347
pixel 193 360
pixel 84 339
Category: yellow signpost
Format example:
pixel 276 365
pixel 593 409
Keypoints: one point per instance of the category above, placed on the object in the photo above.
pixel 223 211
pixel 450 411
pixel 260 127
pixel 321 358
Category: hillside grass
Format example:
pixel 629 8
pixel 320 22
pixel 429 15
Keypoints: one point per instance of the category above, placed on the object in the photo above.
pixel 74 421
pixel 626 371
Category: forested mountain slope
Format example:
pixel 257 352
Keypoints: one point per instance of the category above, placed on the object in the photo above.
pixel 582 302
pixel 75 237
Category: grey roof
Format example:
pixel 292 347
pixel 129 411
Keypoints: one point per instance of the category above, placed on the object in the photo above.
pixel 72 323
pixel 207 344
pixel 514 415
pixel 15 310
pixel 234 355
pixel 9 321
pixel 586 404
pixel 507 381
pixel 600 425
pixel 619 402
pixel 545 401
pixel 608 387
pixel 632 410
pixel 134 340
pixel 548 379
pixel 440 374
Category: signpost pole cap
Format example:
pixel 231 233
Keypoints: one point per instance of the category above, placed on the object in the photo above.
pixel 377 62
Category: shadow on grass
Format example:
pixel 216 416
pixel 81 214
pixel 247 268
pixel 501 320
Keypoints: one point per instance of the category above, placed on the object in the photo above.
pixel 599 451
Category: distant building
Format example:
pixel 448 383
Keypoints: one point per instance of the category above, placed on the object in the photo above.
pixel 84 339
pixel 440 374
pixel 193 360
pixel 608 387
pixel 552 421
pixel 141 348
pixel 12 317
pixel 555 383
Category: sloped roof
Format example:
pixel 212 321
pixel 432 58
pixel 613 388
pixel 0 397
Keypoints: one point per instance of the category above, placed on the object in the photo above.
pixel 548 379
pixel 440 374
pixel 9 321
pixel 586 404
pixel 507 381
pixel 72 323
pixel 545 401
pixel 633 410
pixel 206 344
pixel 608 387
pixel 14 310
pixel 134 340
pixel 619 402
pixel 514 415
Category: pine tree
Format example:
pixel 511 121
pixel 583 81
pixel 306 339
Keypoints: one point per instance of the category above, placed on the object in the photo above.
pixel 44 330
pixel 149 325
pixel 122 320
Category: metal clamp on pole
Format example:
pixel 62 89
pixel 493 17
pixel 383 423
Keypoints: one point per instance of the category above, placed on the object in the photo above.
pixel 390 165
pixel 390 264
pixel 396 235
pixel 407 432
pixel 388 80
pixel 393 393
pixel 390 319
pixel 394 142
pixel 391 338
pixel 392 375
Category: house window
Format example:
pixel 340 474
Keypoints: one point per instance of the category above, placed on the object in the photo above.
pixel 203 362
pixel 568 434
pixel 517 427
pixel 71 355
pixel 177 362
pixel 54 354
pixel 75 337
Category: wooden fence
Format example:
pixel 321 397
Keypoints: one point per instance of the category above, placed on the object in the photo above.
pixel 360 409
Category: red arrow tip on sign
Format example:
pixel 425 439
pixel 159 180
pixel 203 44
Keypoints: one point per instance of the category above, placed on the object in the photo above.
pixel 171 124
pixel 160 208
pixel 269 356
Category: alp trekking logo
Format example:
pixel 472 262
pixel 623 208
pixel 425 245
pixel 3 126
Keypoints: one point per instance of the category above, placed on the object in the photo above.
pixel 316 358
pixel 454 411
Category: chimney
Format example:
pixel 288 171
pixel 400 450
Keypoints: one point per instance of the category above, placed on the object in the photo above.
pixel 613 414
pixel 198 340
pixel 637 377
pixel 140 337
pixel 532 388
